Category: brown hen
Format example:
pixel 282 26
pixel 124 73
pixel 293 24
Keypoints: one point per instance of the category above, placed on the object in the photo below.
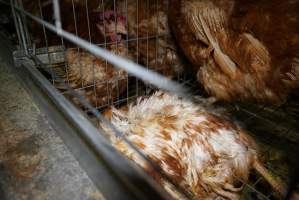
pixel 241 50
pixel 100 82
pixel 77 17
pixel 148 19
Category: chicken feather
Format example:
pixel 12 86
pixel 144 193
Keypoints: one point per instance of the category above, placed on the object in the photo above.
pixel 238 53
pixel 205 19
pixel 94 78
pixel 198 148
pixel 148 23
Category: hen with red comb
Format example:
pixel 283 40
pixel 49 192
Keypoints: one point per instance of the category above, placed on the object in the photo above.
pixel 150 39
pixel 94 78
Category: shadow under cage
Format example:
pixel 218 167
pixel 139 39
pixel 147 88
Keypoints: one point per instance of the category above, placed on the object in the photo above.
pixel 162 121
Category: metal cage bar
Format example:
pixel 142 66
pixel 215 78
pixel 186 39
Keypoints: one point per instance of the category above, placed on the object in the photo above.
pixel 110 172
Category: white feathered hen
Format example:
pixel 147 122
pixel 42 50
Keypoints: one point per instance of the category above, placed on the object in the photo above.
pixel 204 153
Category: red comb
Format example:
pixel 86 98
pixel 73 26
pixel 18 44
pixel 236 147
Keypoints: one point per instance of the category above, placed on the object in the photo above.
pixel 122 18
pixel 106 15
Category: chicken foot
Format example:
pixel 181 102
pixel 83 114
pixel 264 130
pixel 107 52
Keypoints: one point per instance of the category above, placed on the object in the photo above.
pixel 232 188
pixel 226 194
pixel 276 184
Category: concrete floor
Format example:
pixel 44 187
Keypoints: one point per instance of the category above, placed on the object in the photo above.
pixel 34 162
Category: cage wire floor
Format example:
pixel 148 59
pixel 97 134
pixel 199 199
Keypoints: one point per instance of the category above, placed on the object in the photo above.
pixel 275 129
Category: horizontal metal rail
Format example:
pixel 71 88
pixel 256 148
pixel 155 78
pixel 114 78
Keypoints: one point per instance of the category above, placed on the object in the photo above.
pixel 113 174
pixel 137 70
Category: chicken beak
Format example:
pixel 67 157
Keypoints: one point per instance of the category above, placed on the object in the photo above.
pixel 121 29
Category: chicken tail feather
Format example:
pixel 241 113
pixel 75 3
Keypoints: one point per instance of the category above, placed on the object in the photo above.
pixel 206 22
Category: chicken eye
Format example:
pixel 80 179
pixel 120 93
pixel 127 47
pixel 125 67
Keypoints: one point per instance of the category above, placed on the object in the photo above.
pixel 123 36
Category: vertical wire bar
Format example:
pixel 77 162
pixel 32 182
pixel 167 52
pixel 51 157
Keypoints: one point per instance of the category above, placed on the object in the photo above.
pixel 87 17
pixel 127 46
pixel 66 64
pixel 117 75
pixel 78 49
pixel 93 63
pixel 127 49
pixel 105 47
pixel 168 35
pixel 24 23
pixel 16 23
pixel 75 19
pixel 46 43
pixel 137 42
pixel 158 35
pixel 62 44
pixel 147 41
pixel 58 23
pixel 25 47
pixel 19 23
pixel 57 18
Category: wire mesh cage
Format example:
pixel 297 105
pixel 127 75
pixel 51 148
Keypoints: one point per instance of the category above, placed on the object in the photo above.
pixel 138 31
pixel 150 46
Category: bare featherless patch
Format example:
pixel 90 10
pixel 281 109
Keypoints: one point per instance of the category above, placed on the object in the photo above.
pixel 207 155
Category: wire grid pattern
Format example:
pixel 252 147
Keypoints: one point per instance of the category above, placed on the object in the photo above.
pixel 249 114
pixel 275 128
pixel 136 40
